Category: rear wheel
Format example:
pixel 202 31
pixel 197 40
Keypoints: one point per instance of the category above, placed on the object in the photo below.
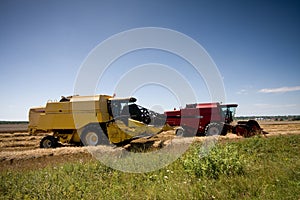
pixel 48 142
pixel 93 135
pixel 213 129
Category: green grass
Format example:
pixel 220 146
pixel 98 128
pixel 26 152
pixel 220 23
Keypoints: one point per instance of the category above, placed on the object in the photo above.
pixel 254 168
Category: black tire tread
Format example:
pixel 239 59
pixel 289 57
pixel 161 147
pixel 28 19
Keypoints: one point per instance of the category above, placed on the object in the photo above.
pixel 54 142
pixel 102 137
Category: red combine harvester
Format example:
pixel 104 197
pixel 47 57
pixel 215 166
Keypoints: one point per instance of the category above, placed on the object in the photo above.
pixel 210 119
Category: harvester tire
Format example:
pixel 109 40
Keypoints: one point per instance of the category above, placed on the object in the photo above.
pixel 179 132
pixel 93 135
pixel 49 142
pixel 213 129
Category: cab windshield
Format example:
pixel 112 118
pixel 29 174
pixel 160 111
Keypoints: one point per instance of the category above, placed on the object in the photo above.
pixel 124 109
pixel 119 108
pixel 228 112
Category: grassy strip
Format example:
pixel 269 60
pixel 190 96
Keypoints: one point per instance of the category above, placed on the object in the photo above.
pixel 255 168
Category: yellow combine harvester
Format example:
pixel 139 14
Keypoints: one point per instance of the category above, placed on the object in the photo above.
pixel 94 120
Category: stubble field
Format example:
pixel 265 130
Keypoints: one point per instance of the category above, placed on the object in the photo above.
pixel 19 150
pixel 260 167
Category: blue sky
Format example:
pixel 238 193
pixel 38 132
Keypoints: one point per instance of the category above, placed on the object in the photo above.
pixel 255 45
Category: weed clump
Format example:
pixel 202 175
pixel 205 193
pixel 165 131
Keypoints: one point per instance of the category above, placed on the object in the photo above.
pixel 219 160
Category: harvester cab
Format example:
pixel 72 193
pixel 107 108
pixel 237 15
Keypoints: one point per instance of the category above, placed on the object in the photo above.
pixel 228 112
pixel 125 109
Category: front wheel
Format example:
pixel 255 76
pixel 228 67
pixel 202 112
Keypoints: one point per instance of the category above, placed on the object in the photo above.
pixel 213 129
pixel 93 135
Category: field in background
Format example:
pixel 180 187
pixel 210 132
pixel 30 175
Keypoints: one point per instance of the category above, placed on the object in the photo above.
pixel 6 127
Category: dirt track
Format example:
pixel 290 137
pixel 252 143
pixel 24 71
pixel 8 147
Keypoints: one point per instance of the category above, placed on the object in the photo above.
pixel 20 150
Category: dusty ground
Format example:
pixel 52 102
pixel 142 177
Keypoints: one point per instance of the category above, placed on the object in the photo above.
pixel 19 150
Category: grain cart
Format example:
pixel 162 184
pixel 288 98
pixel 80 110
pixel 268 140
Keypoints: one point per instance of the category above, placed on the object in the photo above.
pixel 211 119
pixel 93 120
